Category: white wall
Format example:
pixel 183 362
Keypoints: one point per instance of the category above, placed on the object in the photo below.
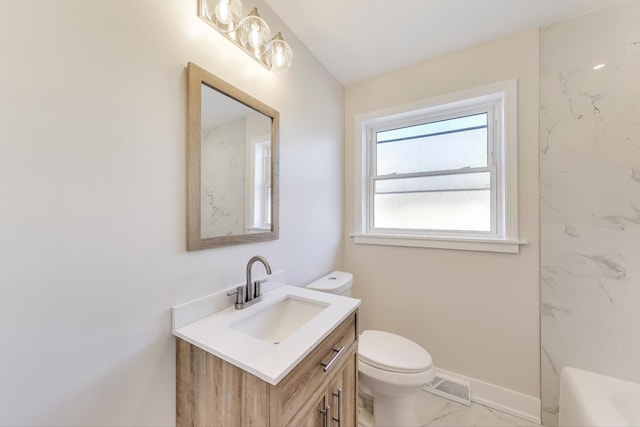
pixel 92 191
pixel 476 313
pixel 589 197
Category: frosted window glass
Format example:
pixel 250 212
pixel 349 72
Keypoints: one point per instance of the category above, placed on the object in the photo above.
pixel 442 210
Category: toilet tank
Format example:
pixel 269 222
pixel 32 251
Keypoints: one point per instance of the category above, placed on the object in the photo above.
pixel 336 282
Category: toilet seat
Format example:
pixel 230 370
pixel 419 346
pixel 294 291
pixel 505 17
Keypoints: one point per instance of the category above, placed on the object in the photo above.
pixel 392 353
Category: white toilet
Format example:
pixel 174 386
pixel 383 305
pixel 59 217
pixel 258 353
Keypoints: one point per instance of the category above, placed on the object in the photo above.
pixel 391 368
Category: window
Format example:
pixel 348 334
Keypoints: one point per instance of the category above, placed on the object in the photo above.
pixel 441 173
pixel 259 185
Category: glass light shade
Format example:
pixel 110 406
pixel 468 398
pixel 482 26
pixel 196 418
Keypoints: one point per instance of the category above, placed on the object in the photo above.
pixel 254 33
pixel 278 55
pixel 224 14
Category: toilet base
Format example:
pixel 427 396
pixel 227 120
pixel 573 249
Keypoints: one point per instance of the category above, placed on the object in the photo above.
pixel 365 418
pixel 394 394
pixel 395 411
pixel 388 411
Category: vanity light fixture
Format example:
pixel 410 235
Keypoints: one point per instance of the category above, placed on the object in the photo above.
pixel 251 33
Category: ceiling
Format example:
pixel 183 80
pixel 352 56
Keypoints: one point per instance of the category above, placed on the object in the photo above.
pixel 359 39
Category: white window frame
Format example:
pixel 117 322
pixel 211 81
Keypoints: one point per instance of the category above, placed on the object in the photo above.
pixel 258 184
pixel 498 98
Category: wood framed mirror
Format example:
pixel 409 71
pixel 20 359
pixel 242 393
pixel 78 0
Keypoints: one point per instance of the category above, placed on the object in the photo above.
pixel 232 164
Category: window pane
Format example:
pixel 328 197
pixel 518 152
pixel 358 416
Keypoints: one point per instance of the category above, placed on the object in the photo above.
pixel 431 128
pixel 444 145
pixel 447 210
pixel 447 202
pixel 462 181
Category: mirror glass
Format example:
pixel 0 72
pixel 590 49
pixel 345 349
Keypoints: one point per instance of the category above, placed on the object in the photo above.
pixel 232 165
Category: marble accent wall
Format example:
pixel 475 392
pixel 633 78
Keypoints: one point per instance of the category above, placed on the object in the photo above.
pixel 223 180
pixel 590 197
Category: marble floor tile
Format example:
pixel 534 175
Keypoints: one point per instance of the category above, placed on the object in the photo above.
pixel 435 411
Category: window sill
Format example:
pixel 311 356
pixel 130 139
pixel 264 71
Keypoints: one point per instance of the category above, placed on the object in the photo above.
pixel 463 244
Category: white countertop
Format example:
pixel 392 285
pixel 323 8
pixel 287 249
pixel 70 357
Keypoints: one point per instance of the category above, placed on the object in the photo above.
pixel 265 360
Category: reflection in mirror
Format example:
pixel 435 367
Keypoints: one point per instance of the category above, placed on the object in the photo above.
pixel 232 165
pixel 235 167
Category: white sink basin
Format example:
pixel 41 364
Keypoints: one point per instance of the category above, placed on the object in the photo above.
pixel 296 318
pixel 279 319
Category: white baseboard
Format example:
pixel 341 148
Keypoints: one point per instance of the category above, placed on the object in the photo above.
pixel 500 398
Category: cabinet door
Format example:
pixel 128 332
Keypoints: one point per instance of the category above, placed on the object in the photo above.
pixel 316 416
pixel 210 391
pixel 311 377
pixel 342 393
pixel 336 406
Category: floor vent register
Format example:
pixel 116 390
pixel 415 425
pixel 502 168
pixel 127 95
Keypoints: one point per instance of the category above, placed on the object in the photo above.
pixel 450 388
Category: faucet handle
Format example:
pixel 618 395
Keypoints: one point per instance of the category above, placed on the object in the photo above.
pixel 239 293
pixel 257 287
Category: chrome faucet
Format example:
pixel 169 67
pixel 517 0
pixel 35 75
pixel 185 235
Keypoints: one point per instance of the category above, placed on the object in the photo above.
pixel 251 292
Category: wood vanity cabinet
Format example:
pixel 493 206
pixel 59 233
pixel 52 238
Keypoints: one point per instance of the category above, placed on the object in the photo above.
pixel 212 392
pixel 338 403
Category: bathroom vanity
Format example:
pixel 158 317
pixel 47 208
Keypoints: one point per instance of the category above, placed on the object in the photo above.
pixel 256 369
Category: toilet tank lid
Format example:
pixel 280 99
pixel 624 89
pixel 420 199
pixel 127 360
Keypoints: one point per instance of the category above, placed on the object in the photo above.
pixel 393 353
pixel 335 282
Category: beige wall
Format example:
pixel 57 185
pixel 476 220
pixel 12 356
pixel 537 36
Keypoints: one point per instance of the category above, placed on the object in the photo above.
pixel 476 313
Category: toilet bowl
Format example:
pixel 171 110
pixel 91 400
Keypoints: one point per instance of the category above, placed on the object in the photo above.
pixel 391 368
